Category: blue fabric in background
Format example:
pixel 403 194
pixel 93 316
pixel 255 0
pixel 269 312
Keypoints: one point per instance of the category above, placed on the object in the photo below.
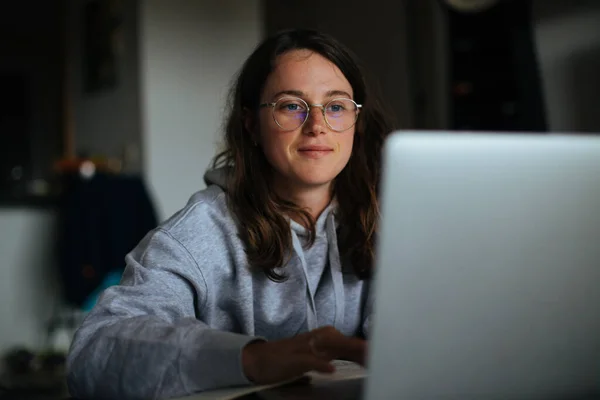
pixel 100 220
pixel 111 279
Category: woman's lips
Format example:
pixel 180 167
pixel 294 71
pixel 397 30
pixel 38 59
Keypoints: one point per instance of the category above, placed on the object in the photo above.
pixel 314 151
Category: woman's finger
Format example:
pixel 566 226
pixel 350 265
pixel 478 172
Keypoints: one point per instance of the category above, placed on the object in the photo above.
pixel 348 348
pixel 301 343
pixel 304 363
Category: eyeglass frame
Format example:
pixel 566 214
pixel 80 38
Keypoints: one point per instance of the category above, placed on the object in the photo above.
pixel 309 107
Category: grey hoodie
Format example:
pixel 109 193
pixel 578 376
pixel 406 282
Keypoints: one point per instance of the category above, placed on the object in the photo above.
pixel 188 303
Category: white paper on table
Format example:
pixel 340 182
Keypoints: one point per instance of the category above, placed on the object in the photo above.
pixel 344 370
pixel 235 392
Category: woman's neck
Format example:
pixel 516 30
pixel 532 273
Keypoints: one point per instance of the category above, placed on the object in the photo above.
pixel 315 199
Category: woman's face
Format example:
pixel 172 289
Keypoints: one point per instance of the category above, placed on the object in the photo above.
pixel 313 154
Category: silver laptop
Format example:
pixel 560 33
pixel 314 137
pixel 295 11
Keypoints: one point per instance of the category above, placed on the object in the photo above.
pixel 488 272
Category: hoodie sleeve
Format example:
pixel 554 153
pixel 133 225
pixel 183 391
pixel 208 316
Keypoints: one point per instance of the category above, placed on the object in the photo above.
pixel 143 339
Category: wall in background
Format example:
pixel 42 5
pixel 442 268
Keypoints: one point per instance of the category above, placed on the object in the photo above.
pixel 28 286
pixel 107 122
pixel 568 40
pixel 190 51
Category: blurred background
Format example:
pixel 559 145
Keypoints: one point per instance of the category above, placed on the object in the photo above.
pixel 111 111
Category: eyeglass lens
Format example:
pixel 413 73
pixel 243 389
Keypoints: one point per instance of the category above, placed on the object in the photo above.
pixel 290 113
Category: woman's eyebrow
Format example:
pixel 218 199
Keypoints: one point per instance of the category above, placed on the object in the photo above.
pixel 333 93
pixel 299 93
pixel 296 93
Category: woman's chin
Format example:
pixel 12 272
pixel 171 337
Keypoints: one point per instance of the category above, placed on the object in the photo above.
pixel 315 176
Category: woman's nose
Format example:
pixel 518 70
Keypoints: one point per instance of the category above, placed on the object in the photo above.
pixel 315 122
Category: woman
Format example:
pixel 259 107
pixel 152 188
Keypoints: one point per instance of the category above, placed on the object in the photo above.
pixel 263 276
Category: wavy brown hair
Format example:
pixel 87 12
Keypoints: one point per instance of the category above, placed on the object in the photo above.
pixel 260 213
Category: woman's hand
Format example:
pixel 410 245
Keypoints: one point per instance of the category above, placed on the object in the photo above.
pixel 271 362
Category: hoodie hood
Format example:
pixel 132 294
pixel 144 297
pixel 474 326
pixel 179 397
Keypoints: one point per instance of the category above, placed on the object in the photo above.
pixel 217 176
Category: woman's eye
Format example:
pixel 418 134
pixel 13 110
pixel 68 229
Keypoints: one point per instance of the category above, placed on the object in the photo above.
pixel 336 108
pixel 291 107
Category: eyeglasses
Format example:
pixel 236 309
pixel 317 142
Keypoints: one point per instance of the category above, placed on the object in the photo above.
pixel 291 113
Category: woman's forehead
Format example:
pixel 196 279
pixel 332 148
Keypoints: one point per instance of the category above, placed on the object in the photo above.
pixel 305 72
